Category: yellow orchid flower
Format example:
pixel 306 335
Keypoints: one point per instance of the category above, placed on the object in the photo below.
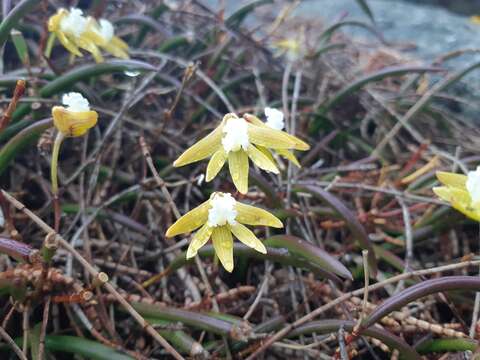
pixel 236 140
pixel 461 191
pixel 71 121
pixel 218 218
pixel 75 32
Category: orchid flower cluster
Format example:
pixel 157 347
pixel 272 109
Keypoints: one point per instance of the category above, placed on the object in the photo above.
pixel 75 32
pixel 235 140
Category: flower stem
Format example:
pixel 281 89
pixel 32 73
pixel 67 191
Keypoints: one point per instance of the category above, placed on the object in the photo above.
pixel 54 178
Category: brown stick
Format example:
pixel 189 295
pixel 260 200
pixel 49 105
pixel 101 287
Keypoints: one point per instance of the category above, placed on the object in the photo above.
pixel 95 274
pixel 17 94
pixel 12 344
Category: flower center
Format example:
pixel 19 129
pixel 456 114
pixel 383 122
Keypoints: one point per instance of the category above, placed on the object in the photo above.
pixel 235 135
pixel 106 29
pixel 473 185
pixel 74 23
pixel 274 118
pixel 75 102
pixel 222 210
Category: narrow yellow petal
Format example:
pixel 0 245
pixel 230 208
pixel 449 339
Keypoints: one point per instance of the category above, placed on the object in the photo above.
pixel 223 246
pixel 261 160
pixel 199 239
pixel 266 152
pixel 72 123
pixel 246 236
pixel 443 192
pixel 452 179
pixel 216 163
pixel 238 166
pixel 116 51
pixel 289 156
pixel 117 42
pixel 202 149
pixel 190 221
pixel 69 45
pixel 251 215
pixel 270 138
pixel 299 144
pixel 253 120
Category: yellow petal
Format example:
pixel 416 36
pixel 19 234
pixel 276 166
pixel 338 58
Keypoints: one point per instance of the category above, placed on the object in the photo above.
pixel 266 152
pixel 238 166
pixel 443 192
pixel 223 246
pixel 116 51
pixel 216 163
pixel 119 43
pixel 246 236
pixel 190 221
pixel 261 160
pixel 54 21
pixel 251 215
pixel 69 45
pixel 299 144
pixel 199 239
pixel 270 138
pixel 289 156
pixel 253 120
pixel 202 149
pixel 452 179
pixel 91 48
pixel 72 123
pixel 460 200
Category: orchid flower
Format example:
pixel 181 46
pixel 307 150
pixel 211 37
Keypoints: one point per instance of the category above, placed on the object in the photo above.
pixel 237 140
pixel 218 218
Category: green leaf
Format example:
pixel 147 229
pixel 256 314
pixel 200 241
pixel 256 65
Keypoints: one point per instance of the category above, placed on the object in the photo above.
pixel 312 253
pixel 366 9
pixel 446 345
pixel 350 218
pixel 12 18
pixel 20 46
pixel 236 19
pixel 21 141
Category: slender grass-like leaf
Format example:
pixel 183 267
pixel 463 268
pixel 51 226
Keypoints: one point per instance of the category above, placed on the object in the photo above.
pixel 82 73
pixel 428 287
pixel 328 32
pixel 21 141
pixel 196 320
pixel 12 18
pixel 332 326
pixel 239 16
pixel 182 342
pixel 309 251
pixel 351 220
pixel 281 256
pixel 446 345
pixel 379 75
pixel 366 9
pixel 20 46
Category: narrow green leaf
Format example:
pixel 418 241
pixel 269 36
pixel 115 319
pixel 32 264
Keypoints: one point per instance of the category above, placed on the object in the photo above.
pixel 351 220
pixel 446 345
pixel 379 75
pixel 332 326
pixel 328 32
pixel 21 141
pixel 428 287
pixel 12 18
pixel 20 46
pixel 236 19
pixel 309 251
pixel 366 9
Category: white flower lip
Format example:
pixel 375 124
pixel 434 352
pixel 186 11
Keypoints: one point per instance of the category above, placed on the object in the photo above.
pixel 235 135
pixel 75 102
pixel 222 210
pixel 74 23
pixel 473 185
pixel 106 29
pixel 275 118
